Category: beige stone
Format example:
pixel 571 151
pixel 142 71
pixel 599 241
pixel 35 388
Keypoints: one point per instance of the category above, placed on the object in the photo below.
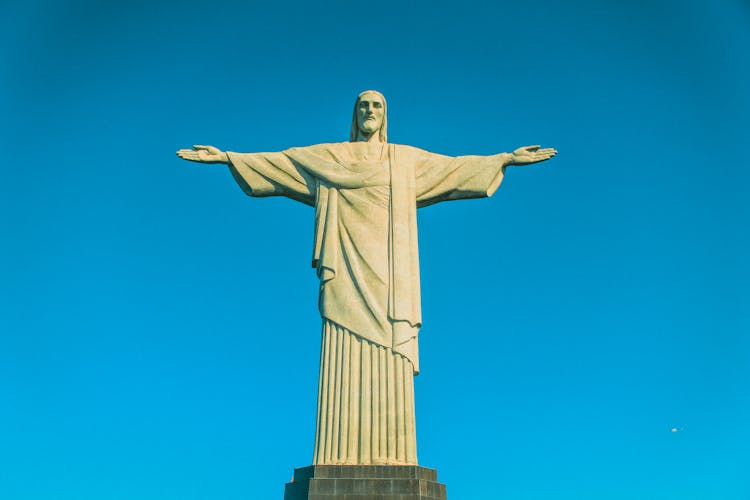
pixel 366 193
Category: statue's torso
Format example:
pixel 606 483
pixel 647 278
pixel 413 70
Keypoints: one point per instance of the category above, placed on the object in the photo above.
pixel 359 293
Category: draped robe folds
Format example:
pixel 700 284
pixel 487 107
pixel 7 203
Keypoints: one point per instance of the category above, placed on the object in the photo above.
pixel 365 244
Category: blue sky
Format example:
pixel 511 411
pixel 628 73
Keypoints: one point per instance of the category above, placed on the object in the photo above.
pixel 158 329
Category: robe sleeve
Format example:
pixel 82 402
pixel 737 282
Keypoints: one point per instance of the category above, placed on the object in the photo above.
pixel 443 178
pixel 272 174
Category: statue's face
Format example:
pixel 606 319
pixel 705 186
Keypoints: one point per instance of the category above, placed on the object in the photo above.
pixel 370 113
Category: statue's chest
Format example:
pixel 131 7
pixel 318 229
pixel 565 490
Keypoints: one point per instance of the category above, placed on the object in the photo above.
pixel 368 165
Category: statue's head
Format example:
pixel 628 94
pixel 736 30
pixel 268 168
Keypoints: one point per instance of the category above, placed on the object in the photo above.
pixel 370 115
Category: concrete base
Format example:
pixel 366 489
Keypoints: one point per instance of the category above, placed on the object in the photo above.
pixel 360 482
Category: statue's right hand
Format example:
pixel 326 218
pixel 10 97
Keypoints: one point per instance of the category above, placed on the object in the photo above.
pixel 203 154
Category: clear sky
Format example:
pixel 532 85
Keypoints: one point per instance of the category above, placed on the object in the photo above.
pixel 159 334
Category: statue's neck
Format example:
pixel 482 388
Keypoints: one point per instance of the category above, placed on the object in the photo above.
pixel 371 138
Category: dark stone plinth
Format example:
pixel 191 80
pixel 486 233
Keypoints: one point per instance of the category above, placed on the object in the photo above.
pixel 360 482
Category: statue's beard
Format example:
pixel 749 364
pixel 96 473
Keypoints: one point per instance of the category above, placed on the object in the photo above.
pixel 369 126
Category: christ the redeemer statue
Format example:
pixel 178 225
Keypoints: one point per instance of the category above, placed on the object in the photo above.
pixel 366 193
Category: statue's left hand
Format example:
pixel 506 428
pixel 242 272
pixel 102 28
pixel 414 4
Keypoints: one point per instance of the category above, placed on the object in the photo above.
pixel 203 154
pixel 531 154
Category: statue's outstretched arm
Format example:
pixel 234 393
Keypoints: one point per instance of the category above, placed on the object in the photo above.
pixel 260 174
pixel 444 178
pixel 203 154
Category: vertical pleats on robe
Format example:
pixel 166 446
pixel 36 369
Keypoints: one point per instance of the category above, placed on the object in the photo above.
pixel 365 402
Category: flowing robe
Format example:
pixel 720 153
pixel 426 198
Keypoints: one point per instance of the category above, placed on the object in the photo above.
pixel 366 256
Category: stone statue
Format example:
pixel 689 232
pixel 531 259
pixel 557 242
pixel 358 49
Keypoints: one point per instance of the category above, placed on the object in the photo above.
pixel 366 193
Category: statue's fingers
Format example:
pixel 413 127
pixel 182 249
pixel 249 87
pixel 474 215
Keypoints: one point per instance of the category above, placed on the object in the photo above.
pixel 198 146
pixel 548 156
pixel 532 148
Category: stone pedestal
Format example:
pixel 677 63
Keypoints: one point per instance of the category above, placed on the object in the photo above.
pixel 360 482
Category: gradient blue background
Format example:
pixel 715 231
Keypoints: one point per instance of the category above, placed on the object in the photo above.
pixel 159 332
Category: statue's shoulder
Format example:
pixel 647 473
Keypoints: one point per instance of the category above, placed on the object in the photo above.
pixel 411 151
pixel 404 148
pixel 326 151
pixel 324 146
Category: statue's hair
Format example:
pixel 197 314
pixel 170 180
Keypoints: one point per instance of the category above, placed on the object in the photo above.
pixel 355 124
